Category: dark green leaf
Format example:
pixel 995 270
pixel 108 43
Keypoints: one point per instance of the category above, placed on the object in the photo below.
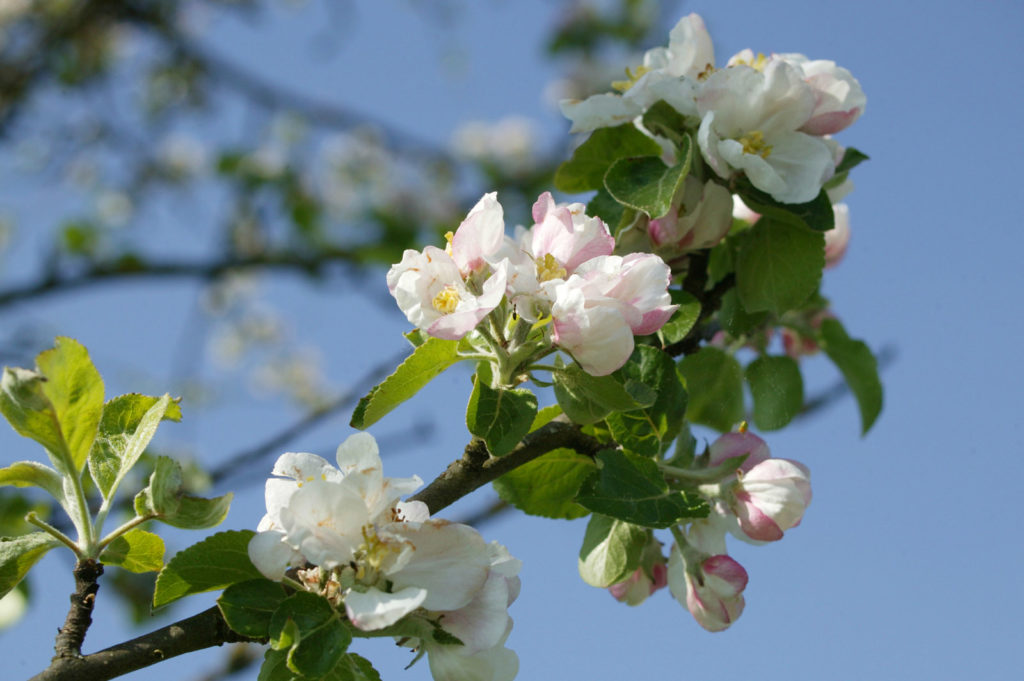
pixel 425 363
pixel 663 120
pixel 611 550
pixel 19 554
pixel 608 209
pixel 859 367
pixel 136 551
pixel 547 486
pixel 310 629
pixel 214 563
pixel 500 417
pixel 714 383
pixel 591 160
pixel 736 321
pixel 248 606
pixel 646 183
pixel 683 319
pixel 816 214
pixel 778 266
pixel 587 399
pixel 650 430
pixel 778 390
pixel 852 158
pixel 632 488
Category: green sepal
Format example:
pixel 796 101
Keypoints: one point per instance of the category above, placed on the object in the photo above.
pixel 816 214
pixel 778 266
pixel 611 550
pixel 19 554
pixel 778 390
pixel 125 430
pixel 248 606
pixel 214 563
pixel 646 183
pixel 426 362
pixel 632 488
pixel 501 417
pixel 136 551
pixel 714 383
pixel 650 430
pixel 858 366
pixel 591 160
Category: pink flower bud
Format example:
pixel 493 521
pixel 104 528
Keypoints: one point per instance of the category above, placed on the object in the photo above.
pixel 635 589
pixel 712 589
pixel 771 498
pixel 737 444
pixel 837 238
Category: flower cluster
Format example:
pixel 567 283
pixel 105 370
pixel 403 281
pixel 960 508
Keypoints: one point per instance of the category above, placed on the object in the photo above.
pixel 560 270
pixel 756 500
pixel 386 562
pixel 767 118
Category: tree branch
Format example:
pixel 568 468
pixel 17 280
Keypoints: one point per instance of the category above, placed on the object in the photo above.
pixel 71 636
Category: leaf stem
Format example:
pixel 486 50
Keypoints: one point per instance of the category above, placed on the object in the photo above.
pixel 131 524
pixel 46 527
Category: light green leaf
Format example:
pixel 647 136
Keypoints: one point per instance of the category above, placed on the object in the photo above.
pixel 135 551
pixel 27 408
pixel 611 550
pixel 650 430
pixel 816 214
pixel 19 554
pixel 646 183
pixel 547 486
pixel 126 428
pixel 34 474
pixel 591 160
pixel 75 389
pixel 778 390
pixel 165 500
pixel 425 363
pixel 778 266
pixel 714 383
pixel 214 563
pixel 500 417
pixel 682 320
pixel 633 489
pixel 858 366
pixel 248 606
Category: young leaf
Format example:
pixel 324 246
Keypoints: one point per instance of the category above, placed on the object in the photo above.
pixel 611 550
pixel 682 320
pixel 778 266
pixel 816 214
pixel 31 473
pixel 778 390
pixel 75 390
pixel 136 551
pixel 164 499
pixel 248 606
pixel 631 488
pixel 651 429
pixel 19 554
pixel 27 408
pixel 589 163
pixel 714 383
pixel 501 417
pixel 214 563
pixel 547 486
pixel 126 428
pixel 858 366
pixel 646 183
pixel 425 363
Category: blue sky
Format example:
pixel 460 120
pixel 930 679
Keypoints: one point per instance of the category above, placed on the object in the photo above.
pixel 907 562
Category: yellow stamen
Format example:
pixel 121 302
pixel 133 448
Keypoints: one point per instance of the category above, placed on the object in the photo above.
pixel 632 76
pixel 548 269
pixel 743 427
pixel 448 236
pixel 753 143
pixel 446 300
pixel 757 63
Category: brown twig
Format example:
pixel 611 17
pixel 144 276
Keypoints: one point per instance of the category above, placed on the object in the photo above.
pixel 71 636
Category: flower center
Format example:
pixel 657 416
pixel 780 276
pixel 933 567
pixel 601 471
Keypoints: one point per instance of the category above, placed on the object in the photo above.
pixel 757 63
pixel 632 78
pixel 548 269
pixel 446 300
pixel 753 143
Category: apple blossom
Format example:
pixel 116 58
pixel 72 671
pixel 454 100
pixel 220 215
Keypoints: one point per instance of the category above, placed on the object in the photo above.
pixel 839 99
pixel 771 498
pixel 700 217
pixel 635 589
pixel 711 587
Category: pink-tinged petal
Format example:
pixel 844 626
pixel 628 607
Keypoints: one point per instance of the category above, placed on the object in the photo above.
pixel 731 445
pixel 830 123
pixel 376 609
pixel 480 235
pixel 753 521
pixel 654 320
pixel 838 238
pixel 544 204
pixel 730 578
pixel 472 309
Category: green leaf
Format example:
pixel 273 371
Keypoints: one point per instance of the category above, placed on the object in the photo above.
pixel 816 214
pixel 646 183
pixel 165 499
pixel 663 120
pixel 608 209
pixel 587 399
pixel 778 266
pixel 501 417
pixel 19 554
pixel 650 430
pixel 136 551
pixel 682 320
pixel 214 563
pixel 858 366
pixel 350 667
pixel 425 363
pixel 75 389
pixel 27 408
pixel 611 550
pixel 591 160
pixel 33 474
pixel 547 486
pixel 852 158
pixel 714 383
pixel 126 428
pixel 248 606
pixel 736 321
pixel 312 632
pixel 632 488
pixel 778 390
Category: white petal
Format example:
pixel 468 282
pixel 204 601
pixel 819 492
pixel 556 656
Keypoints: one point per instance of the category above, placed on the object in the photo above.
pixel 271 556
pixel 301 466
pixel 449 560
pixel 376 609
pixel 481 623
